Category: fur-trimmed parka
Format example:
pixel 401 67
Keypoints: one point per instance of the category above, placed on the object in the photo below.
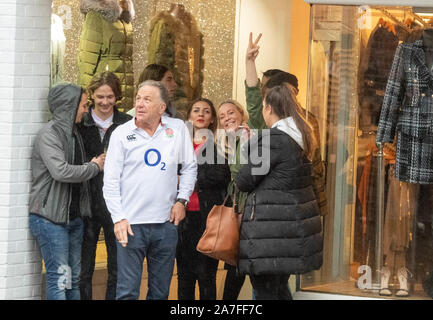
pixel 106 44
pixel 176 43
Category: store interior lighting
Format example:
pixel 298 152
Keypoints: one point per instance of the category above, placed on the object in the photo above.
pixel 423 12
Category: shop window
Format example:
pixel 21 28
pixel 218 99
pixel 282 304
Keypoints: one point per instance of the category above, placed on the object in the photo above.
pixel 182 35
pixel 376 221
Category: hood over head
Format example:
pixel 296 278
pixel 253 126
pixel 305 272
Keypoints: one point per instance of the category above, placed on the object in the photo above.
pixel 109 9
pixel 63 101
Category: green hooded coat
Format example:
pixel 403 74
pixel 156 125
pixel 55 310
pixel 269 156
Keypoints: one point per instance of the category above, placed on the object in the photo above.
pixel 106 45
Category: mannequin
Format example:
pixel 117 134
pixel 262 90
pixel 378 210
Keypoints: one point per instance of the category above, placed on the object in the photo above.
pixel 106 44
pixel 408 101
pixel 399 218
pixel 175 42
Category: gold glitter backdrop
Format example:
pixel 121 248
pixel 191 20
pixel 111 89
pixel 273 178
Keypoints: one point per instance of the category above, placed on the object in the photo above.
pixel 215 20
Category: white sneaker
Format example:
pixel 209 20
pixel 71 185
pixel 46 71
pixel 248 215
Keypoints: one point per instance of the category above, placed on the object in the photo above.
pixel 384 280
pixel 402 279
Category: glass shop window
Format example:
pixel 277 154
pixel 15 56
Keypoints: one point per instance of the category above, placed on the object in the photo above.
pixel 371 80
pixel 175 34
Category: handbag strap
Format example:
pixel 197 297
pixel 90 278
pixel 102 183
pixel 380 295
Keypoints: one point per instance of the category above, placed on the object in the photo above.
pixel 235 191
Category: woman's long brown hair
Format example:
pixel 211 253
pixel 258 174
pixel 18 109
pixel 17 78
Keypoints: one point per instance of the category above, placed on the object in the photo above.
pixel 213 126
pixel 284 104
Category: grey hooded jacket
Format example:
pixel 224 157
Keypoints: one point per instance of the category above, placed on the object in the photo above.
pixel 53 157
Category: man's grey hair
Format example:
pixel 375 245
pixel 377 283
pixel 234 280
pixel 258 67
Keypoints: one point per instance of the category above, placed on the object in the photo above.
pixel 163 93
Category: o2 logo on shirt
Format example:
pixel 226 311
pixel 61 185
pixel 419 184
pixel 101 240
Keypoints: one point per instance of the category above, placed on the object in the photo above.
pixel 152 158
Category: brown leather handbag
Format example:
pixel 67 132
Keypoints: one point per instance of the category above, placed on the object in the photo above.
pixel 220 240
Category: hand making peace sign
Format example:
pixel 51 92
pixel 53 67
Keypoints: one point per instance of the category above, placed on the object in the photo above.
pixel 253 48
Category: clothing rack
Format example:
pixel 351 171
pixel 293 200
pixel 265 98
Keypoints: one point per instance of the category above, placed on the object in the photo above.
pixel 409 11
pixel 391 17
pixel 380 210
pixel 418 18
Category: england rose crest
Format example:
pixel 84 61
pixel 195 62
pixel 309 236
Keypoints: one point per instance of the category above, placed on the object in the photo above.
pixel 169 132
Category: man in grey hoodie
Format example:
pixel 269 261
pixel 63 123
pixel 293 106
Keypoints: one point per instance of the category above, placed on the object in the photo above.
pixel 59 195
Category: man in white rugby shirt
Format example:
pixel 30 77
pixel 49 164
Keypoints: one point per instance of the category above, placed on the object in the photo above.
pixel 142 192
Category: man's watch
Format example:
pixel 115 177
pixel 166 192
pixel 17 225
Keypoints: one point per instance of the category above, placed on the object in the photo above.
pixel 183 201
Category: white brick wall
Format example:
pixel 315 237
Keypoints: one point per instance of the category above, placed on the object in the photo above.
pixel 24 81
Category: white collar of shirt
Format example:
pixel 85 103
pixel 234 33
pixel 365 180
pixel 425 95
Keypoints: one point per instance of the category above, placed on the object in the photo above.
pixel 162 124
pixel 105 124
pixel 102 125
pixel 289 127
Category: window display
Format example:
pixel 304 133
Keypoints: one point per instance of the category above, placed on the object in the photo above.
pixel 370 80
pixel 175 42
pixel 203 67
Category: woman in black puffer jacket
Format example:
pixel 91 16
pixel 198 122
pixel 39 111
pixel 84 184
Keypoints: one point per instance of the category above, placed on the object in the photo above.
pixel 281 230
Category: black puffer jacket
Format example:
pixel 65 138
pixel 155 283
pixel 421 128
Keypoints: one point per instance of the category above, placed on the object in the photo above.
pixel 281 227
pixel 213 176
pixel 94 147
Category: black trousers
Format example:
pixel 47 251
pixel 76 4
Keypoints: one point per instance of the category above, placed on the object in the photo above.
pixel 271 287
pixel 233 283
pixel 92 228
pixel 193 266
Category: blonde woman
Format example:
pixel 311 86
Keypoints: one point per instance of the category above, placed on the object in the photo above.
pixel 233 131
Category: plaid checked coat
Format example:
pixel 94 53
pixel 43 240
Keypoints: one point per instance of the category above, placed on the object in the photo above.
pixel 408 111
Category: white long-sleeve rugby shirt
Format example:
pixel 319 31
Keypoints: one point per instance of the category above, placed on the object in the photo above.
pixel 141 172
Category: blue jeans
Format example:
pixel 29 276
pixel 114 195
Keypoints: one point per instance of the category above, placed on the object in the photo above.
pixel 157 243
pixel 61 250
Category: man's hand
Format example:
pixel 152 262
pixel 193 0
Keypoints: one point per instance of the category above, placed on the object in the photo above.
pixel 121 230
pixel 100 161
pixel 177 213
